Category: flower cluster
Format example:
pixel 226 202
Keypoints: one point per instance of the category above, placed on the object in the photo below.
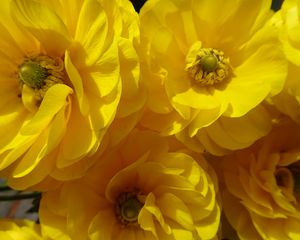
pixel 180 122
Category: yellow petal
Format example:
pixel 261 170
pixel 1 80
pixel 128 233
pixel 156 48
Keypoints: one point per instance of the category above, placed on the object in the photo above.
pixel 103 110
pixel 150 207
pixel 103 225
pixel 241 221
pixel 9 48
pixel 209 144
pixel 248 88
pixel 43 23
pixel 89 202
pixel 130 67
pixel 19 36
pixel 78 84
pixel 105 75
pixel 180 234
pixel 43 146
pixel 32 157
pixel 12 115
pixel 53 101
pixel 168 202
pixel 79 139
pixel 92 30
pixel 208 228
pixel 203 119
pixel 196 98
pixel 29 99
pixel 20 179
pixel 17 146
pixel 226 132
pixel 251 18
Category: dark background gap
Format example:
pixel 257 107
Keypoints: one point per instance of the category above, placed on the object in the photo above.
pixel 276 4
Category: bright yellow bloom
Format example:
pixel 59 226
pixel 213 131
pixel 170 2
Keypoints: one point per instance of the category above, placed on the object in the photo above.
pixel 262 200
pixel 211 61
pixel 140 190
pixel 288 22
pixel 66 67
pixel 22 230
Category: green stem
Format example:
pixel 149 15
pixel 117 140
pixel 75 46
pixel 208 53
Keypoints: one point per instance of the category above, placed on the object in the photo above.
pixel 19 197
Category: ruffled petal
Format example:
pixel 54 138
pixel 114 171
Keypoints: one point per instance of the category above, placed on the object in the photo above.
pixel 42 23
pixel 91 32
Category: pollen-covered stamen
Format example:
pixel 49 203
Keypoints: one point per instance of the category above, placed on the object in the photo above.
pixel 128 207
pixel 40 73
pixel 207 66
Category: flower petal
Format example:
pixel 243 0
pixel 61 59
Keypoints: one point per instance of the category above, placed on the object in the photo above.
pixel 54 100
pixel 43 23
pixel 77 82
pixel 248 88
pixel 92 30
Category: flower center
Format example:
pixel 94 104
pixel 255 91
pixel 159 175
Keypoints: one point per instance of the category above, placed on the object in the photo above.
pixel 207 66
pixel 40 73
pixel 288 179
pixel 128 207
pixel 295 170
pixel 32 74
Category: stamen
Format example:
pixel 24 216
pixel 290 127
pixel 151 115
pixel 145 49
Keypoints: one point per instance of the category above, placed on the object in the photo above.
pixel 32 74
pixel 40 73
pixel 128 207
pixel 288 180
pixel 207 66
pixel 284 178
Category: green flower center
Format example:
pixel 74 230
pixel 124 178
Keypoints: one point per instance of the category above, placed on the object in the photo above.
pixel 207 66
pixel 33 74
pixel 40 73
pixel 128 207
pixel 209 63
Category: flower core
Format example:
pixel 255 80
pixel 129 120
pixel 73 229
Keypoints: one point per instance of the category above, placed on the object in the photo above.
pixel 40 73
pixel 289 178
pixel 128 207
pixel 207 66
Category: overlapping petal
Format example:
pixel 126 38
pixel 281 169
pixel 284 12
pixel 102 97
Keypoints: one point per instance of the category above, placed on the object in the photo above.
pixel 178 194
pixel 94 59
pixel 263 182
pixel 288 24
pixel 176 30
pixel 21 229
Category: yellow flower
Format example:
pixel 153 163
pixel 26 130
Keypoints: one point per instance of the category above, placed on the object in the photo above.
pixel 288 22
pixel 138 191
pixel 21 230
pixel 65 70
pixel 210 61
pixel 263 186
